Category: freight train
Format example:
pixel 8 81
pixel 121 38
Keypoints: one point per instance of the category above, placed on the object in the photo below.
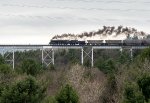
pixel 144 42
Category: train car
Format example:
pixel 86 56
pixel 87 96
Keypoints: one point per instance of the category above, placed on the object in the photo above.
pixel 132 42
pixel 59 42
pixel 73 42
pixel 95 42
pixel 145 42
pixel 113 42
pixel 76 42
pixel 81 43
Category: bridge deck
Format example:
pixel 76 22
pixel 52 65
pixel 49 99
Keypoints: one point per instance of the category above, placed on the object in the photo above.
pixel 40 46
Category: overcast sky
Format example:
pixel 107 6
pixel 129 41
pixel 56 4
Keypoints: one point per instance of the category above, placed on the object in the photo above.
pixel 36 21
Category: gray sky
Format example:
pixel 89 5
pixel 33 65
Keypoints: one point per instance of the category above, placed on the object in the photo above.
pixel 36 21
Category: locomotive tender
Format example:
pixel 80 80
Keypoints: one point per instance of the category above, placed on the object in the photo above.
pixel 143 42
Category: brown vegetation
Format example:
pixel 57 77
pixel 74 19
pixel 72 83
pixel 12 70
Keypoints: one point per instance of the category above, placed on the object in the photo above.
pixel 90 83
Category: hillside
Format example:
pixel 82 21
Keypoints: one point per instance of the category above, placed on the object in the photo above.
pixel 113 79
pixel 106 33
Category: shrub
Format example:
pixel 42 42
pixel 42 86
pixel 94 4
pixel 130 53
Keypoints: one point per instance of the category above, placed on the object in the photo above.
pixel 145 54
pixel 72 56
pixel 123 58
pixel 144 84
pixel 49 99
pixel 87 63
pixel 132 94
pixel 52 67
pixel 107 66
pixel 2 61
pixel 111 90
pixel 5 69
pixel 30 67
pixel 26 91
pixel 67 95
pixel 6 76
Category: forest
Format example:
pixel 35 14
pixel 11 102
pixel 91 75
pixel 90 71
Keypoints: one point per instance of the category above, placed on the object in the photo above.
pixel 115 78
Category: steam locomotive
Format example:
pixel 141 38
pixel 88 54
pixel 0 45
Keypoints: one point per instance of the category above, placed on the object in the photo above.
pixel 144 42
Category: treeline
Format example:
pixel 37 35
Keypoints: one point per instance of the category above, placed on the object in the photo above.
pixel 128 81
pixel 137 81
pixel 29 81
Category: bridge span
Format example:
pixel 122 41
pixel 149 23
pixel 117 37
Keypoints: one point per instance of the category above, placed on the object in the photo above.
pixel 47 51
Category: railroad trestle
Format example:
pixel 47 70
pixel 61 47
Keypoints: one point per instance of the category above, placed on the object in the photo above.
pixel 48 52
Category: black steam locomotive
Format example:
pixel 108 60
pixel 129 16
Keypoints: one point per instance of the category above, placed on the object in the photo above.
pixel 67 42
pixel 144 42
